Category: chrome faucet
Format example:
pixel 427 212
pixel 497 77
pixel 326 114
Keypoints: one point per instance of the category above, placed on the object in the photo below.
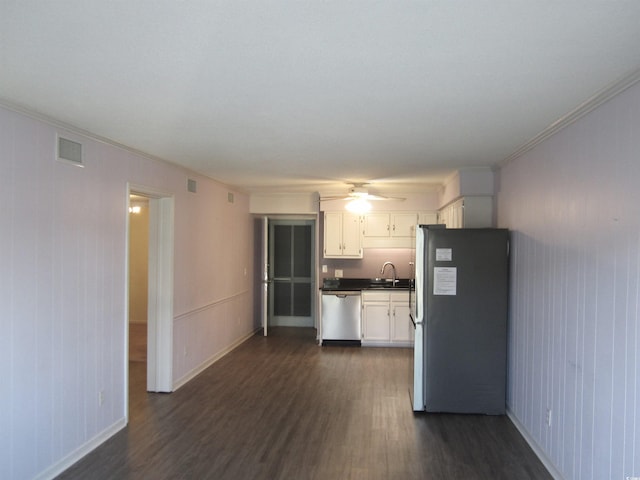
pixel 393 267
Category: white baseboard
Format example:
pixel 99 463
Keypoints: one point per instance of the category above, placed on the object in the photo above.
pixel 202 367
pixel 59 467
pixel 548 464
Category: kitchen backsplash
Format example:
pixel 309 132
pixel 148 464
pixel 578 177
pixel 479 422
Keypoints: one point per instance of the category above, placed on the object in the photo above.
pixel 371 263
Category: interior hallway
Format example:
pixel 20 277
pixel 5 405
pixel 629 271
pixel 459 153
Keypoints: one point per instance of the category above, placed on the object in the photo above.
pixel 283 408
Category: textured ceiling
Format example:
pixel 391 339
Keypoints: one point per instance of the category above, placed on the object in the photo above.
pixel 304 95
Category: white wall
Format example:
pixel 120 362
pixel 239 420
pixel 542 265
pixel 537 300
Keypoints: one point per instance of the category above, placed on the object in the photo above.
pixel 284 203
pixel 139 264
pixel 573 204
pixel 477 181
pixel 62 288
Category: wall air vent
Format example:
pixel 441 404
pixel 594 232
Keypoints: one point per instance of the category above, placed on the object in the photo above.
pixel 70 151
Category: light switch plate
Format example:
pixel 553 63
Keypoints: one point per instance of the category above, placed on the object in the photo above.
pixel 324 269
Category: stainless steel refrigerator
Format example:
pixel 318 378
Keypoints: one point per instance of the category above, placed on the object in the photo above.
pixel 459 303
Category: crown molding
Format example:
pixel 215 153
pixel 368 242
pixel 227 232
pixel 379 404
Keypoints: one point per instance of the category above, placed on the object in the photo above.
pixel 574 115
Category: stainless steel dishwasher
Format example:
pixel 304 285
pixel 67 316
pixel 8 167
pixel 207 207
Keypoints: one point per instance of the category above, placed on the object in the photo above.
pixel 341 316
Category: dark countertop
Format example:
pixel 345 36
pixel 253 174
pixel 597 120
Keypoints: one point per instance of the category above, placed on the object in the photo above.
pixel 343 284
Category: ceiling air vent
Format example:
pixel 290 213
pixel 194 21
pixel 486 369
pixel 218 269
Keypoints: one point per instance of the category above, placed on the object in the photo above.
pixel 70 151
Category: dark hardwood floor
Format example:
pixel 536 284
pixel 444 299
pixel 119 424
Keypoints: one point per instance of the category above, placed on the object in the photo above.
pixel 283 408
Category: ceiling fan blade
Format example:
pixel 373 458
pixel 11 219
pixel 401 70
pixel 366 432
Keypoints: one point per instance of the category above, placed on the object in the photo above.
pixel 335 197
pixel 383 197
pixel 358 191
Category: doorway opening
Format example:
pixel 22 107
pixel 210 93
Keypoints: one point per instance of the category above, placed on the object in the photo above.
pixel 150 292
pixel 291 273
pixel 138 290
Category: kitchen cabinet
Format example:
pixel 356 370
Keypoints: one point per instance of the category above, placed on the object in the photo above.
pixel 342 235
pixel 401 327
pixel 375 322
pixel 403 224
pixel 376 224
pixel 468 212
pixel 385 318
pixel 393 229
pixel 347 234
pixel 383 224
pixel 427 218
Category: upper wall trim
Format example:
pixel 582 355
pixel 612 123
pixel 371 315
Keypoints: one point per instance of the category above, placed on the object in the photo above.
pixel 67 127
pixel 592 103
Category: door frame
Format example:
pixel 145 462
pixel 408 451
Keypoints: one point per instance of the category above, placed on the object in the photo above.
pixel 160 290
pixel 313 276
pixel 264 266
pixel 265 279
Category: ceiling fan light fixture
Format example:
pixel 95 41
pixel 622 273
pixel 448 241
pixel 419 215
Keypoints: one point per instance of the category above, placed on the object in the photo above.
pixel 358 205
pixel 358 192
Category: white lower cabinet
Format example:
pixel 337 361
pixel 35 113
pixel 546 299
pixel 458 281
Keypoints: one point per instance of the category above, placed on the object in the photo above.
pixel 385 318
pixel 401 326
pixel 375 318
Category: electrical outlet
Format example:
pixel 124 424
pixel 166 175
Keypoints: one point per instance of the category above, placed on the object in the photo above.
pixel 338 273
pixel 548 418
pixel 100 398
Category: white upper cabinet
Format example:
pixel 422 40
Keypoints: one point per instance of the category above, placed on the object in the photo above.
pixel 383 224
pixel 403 224
pixel 427 218
pixel 468 212
pixel 347 234
pixel 342 235
pixel 393 229
pixel 376 224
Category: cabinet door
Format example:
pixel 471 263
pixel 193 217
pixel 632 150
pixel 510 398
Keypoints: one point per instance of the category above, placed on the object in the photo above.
pixel 332 234
pixel 427 218
pixel 375 322
pixel 376 225
pixel 453 214
pixel 404 224
pixel 351 235
pixel 401 326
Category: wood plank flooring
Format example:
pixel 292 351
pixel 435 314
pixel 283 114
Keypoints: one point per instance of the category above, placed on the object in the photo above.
pixel 284 408
pixel 137 342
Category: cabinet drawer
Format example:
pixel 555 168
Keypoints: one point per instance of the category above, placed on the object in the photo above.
pixel 374 296
pixel 400 296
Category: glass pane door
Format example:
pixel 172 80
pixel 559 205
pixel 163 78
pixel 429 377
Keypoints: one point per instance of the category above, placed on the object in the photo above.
pixel 291 251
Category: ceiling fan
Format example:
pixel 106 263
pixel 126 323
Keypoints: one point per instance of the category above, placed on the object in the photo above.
pixel 359 198
pixel 358 191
